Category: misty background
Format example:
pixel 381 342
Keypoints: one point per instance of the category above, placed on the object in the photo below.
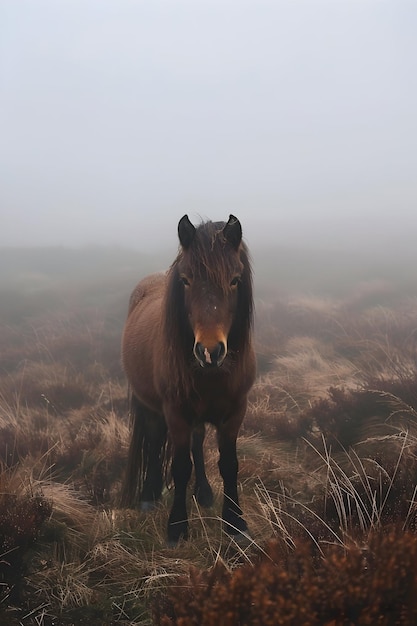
pixel 298 116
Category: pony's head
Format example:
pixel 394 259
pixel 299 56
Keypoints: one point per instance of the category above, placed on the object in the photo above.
pixel 211 282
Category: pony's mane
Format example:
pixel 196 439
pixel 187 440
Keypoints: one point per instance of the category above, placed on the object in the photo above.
pixel 209 256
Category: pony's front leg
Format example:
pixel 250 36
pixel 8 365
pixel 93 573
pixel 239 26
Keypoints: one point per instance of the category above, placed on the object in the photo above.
pixel 232 515
pixel 202 490
pixel 181 468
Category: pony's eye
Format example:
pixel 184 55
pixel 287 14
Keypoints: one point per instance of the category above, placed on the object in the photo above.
pixel 185 281
pixel 234 281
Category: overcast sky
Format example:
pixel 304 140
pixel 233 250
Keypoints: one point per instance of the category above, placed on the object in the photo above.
pixel 117 117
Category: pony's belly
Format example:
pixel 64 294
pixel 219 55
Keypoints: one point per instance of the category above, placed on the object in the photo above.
pixel 141 344
pixel 144 390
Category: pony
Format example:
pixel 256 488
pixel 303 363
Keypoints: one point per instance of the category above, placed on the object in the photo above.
pixel 188 356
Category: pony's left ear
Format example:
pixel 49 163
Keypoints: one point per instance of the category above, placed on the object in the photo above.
pixel 233 231
pixel 186 232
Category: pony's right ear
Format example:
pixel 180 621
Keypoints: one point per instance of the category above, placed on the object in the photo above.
pixel 233 231
pixel 186 232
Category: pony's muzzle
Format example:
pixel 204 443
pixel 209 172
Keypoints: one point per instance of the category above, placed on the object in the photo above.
pixel 210 358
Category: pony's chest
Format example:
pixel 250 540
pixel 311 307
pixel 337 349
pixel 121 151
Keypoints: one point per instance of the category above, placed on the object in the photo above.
pixel 211 404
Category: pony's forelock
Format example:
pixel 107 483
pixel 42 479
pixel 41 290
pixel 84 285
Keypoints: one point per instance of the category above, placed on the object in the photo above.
pixel 210 255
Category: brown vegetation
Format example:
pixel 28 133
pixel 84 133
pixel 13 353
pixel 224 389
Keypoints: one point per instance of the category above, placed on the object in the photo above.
pixel 328 466
pixel 373 584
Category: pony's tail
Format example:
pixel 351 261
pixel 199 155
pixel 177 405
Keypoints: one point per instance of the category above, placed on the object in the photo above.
pixel 147 457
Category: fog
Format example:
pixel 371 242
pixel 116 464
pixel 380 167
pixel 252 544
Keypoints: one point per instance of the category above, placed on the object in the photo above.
pixel 298 116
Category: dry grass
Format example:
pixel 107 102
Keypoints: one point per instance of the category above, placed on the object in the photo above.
pixel 327 455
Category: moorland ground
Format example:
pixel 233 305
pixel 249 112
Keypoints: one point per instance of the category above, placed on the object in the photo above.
pixel 327 452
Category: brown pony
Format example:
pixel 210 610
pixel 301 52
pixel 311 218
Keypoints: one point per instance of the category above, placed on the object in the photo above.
pixel 188 356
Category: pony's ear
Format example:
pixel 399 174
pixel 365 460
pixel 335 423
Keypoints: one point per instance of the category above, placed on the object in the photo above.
pixel 186 232
pixel 233 231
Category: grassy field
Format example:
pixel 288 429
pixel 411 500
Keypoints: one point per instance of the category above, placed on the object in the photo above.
pixel 328 465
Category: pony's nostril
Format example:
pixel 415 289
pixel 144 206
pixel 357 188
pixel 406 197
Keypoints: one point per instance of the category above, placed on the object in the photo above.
pixel 218 354
pixel 200 353
pixel 208 357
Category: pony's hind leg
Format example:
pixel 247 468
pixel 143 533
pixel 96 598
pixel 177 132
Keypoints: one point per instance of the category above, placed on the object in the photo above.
pixel 202 489
pixel 129 493
pixel 154 450
pixel 143 478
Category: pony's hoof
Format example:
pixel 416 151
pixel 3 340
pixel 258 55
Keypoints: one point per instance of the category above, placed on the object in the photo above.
pixel 242 539
pixel 174 542
pixel 234 525
pixel 204 496
pixel 147 505
pixel 177 531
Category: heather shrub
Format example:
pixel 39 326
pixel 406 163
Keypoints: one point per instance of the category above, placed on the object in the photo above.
pixel 373 584
pixel 21 519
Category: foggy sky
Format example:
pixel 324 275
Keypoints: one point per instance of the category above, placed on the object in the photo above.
pixel 117 117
